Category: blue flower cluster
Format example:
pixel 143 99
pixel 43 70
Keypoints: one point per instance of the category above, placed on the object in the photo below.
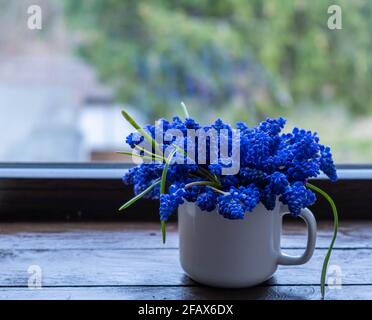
pixel 274 166
pixel 170 202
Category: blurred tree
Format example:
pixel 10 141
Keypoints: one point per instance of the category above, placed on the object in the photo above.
pixel 246 59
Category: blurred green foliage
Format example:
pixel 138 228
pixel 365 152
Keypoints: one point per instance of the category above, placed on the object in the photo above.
pixel 243 58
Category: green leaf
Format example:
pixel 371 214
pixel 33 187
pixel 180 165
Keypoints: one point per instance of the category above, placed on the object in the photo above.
pixel 136 126
pixel 335 229
pixel 149 153
pixel 139 196
pixel 185 111
pixel 134 155
pixel 179 149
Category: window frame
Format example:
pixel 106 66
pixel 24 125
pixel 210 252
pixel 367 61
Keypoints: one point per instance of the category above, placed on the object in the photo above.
pixel 94 192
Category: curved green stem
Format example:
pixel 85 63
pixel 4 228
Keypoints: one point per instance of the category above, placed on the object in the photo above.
pixel 209 175
pixel 218 190
pixel 199 183
pixel 208 184
pixel 335 229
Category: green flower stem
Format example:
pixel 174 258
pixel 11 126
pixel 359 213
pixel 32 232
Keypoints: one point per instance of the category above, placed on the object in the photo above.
pixel 218 190
pixel 163 231
pixel 208 184
pixel 199 183
pixel 162 188
pixel 335 229
pixel 165 171
pixel 139 196
pixel 136 126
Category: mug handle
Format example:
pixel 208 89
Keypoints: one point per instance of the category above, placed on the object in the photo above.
pixel 285 259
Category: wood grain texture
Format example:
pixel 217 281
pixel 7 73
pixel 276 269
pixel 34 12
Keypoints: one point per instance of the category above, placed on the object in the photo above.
pixel 189 293
pixel 101 267
pixel 128 261
pixel 122 235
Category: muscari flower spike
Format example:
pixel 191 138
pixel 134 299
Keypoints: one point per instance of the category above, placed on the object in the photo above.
pixel 273 166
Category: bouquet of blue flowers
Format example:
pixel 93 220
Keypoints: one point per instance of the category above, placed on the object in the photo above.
pixel 225 168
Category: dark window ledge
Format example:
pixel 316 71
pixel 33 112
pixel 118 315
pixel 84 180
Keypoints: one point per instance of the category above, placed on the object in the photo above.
pixel 84 192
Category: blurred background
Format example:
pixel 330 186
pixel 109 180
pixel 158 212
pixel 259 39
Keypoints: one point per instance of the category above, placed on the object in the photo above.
pixel 62 87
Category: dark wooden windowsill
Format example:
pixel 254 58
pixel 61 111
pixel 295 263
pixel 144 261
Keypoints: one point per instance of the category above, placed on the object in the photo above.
pixel 94 192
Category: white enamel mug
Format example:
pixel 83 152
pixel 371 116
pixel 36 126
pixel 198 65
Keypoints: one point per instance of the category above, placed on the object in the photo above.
pixel 236 253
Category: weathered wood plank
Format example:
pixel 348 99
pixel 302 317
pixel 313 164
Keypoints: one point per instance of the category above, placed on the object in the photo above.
pixel 85 235
pixel 75 267
pixel 128 261
pixel 147 235
pixel 189 293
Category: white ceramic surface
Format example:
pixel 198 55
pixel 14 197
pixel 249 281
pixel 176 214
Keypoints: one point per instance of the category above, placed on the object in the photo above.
pixel 236 253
